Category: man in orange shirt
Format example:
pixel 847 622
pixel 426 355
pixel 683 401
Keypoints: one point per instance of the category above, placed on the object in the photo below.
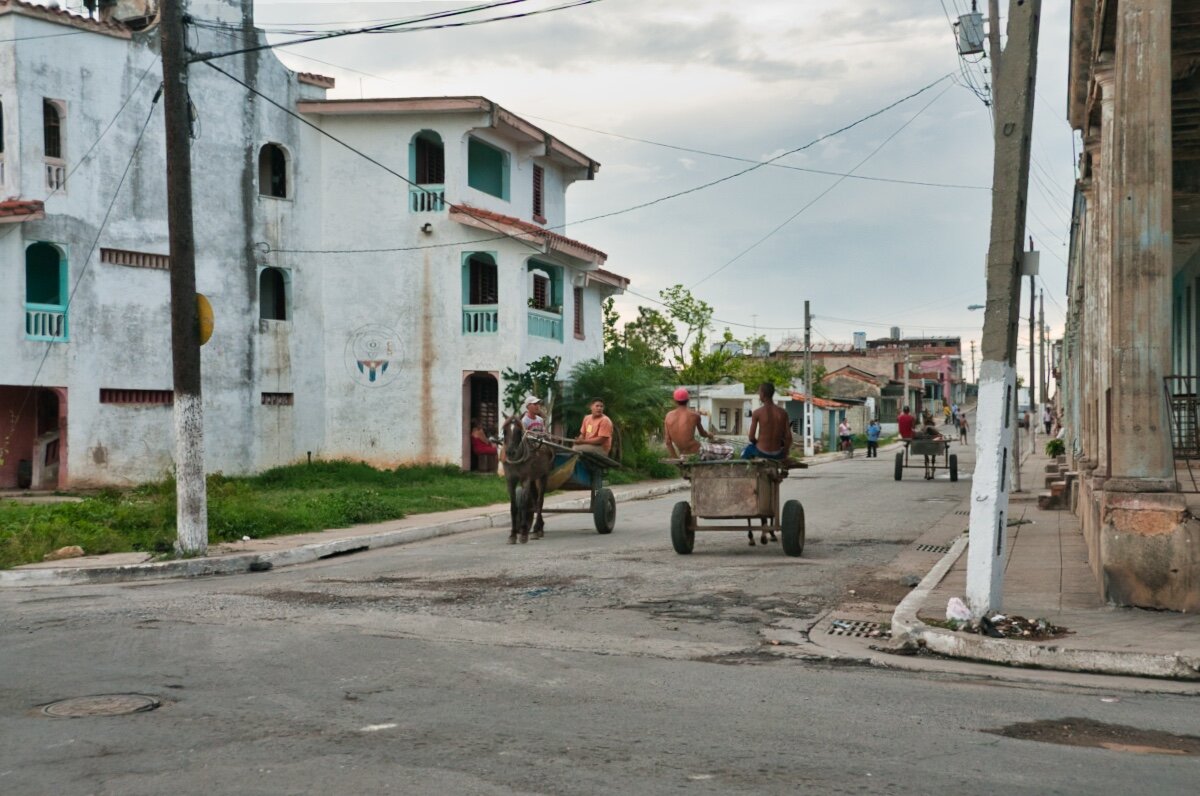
pixel 596 431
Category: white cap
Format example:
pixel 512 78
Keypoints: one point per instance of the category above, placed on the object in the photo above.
pixel 533 399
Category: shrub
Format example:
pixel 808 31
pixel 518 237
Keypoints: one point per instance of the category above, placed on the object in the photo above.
pixel 1055 448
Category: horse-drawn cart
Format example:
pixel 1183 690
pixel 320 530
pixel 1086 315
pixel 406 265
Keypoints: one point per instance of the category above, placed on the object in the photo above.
pixel 930 450
pixel 738 489
pixel 583 470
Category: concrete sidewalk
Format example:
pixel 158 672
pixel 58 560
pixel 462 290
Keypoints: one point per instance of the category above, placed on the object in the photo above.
pixel 1047 576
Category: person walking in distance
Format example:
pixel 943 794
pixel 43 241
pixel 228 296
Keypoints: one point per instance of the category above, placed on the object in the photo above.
pixel 681 426
pixel 906 422
pixel 962 428
pixel 770 432
pixel 1047 419
pixel 873 430
pixel 844 437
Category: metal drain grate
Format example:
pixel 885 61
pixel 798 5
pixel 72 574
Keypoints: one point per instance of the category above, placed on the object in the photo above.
pixel 853 627
pixel 933 548
pixel 963 512
pixel 101 705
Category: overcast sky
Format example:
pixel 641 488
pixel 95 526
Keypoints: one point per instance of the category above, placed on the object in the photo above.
pixel 751 80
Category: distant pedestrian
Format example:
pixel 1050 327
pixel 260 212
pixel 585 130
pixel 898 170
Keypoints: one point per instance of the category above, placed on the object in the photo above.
pixel 1047 418
pixel 844 432
pixel 873 431
pixel 946 415
pixel 954 414
pixel 906 422
pixel 962 428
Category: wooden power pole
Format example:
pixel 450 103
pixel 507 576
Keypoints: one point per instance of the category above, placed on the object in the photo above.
pixel 1043 386
pixel 191 513
pixel 1013 79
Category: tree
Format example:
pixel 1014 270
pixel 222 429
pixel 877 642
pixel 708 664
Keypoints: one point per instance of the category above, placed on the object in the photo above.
pixel 538 379
pixel 634 393
pixel 650 337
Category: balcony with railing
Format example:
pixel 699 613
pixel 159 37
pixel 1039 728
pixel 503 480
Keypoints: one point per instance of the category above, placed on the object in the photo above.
pixel 481 319
pixel 543 323
pixel 46 322
pixel 426 198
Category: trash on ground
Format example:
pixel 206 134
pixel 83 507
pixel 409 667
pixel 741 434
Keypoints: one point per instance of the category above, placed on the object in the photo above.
pixel 538 592
pixel 1019 627
pixel 957 611
pixel 909 580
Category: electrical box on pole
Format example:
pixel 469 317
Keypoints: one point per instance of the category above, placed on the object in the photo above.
pixel 970 33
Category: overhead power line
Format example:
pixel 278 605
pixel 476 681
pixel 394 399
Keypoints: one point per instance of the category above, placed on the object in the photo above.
pixel 401 26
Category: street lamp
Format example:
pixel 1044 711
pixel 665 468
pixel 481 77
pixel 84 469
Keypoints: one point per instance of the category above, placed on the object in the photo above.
pixel 976 306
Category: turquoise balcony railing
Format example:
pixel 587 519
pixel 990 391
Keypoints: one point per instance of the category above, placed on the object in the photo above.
pixel 481 319
pixel 545 324
pixel 46 322
pixel 426 198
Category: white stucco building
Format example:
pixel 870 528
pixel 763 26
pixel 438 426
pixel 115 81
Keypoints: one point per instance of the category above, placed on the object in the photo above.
pixel 355 314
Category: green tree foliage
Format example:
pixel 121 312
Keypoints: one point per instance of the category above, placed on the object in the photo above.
pixel 538 379
pixel 634 395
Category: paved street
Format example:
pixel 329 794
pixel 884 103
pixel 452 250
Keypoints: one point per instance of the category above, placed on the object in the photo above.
pixel 577 664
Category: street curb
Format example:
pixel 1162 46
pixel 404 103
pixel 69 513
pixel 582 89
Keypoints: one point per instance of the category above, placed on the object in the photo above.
pixel 236 564
pixel 907 629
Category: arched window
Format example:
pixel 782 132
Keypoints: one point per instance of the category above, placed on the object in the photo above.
pixel 429 159
pixel 482 287
pixel 272 171
pixel 43 275
pixel 52 129
pixel 272 295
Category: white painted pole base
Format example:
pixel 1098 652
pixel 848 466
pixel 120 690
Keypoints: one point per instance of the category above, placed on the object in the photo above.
pixel 191 497
pixel 809 441
pixel 994 423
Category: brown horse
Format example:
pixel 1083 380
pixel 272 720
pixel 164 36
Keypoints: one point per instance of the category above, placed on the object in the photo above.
pixel 527 463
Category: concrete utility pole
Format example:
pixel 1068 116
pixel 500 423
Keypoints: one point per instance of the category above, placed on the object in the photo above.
pixel 1043 387
pixel 191 513
pixel 972 361
pixel 1013 80
pixel 1033 400
pixel 809 442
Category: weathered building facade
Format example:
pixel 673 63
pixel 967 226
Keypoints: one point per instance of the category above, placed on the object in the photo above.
pixel 365 301
pixel 1133 288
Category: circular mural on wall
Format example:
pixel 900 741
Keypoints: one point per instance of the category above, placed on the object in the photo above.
pixel 373 355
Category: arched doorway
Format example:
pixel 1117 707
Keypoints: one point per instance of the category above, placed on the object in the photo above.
pixel 33 446
pixel 481 401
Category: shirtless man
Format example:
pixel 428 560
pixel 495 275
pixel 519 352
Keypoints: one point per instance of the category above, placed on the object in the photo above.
pixel 770 432
pixel 681 426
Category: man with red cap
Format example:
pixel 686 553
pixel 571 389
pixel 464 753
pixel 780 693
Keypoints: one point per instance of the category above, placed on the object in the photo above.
pixel 681 426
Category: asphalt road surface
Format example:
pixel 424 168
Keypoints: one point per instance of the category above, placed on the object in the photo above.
pixel 576 664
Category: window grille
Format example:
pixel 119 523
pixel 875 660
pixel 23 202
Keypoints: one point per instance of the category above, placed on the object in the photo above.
pixel 109 395
pixel 277 399
pixel 160 262
pixel 578 293
pixel 483 282
pixel 541 292
pixel 52 129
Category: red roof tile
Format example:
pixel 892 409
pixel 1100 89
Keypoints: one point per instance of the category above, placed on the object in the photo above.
pixel 821 403
pixel 553 238
pixel 63 17
pixel 13 210
pixel 313 79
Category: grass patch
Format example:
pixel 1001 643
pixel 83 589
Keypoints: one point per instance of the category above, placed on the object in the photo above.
pixel 295 499
pixel 299 498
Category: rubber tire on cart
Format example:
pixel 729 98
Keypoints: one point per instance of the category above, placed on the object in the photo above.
pixel 899 465
pixel 792 526
pixel 683 538
pixel 954 467
pixel 604 510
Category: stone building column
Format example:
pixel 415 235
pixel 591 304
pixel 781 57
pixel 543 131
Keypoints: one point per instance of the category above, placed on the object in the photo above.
pixel 1140 288
pixel 1101 272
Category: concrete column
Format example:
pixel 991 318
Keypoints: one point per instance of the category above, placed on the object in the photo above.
pixel 1102 272
pixel 1140 308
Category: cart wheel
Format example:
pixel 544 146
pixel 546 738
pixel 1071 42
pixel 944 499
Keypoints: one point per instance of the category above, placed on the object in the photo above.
pixel 683 538
pixel 604 510
pixel 792 526
pixel 899 465
pixel 954 467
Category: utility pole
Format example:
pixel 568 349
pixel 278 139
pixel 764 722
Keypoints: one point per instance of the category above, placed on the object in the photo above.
pixel 1043 387
pixel 809 446
pixel 191 513
pixel 1033 400
pixel 1013 79
pixel 972 361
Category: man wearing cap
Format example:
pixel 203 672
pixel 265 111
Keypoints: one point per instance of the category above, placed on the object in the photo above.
pixel 532 419
pixel 596 430
pixel 681 426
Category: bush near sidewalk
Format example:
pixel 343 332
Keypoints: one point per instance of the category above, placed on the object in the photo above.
pixel 296 499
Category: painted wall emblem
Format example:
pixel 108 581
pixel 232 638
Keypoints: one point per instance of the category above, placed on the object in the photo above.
pixel 372 355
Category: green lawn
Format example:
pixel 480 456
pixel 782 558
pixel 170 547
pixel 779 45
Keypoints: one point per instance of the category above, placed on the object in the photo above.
pixel 297 499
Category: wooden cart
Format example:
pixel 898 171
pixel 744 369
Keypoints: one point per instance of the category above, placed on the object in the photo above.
pixel 934 449
pixel 583 470
pixel 738 489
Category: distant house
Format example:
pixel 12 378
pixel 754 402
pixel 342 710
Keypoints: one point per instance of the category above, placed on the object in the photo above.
pixel 364 307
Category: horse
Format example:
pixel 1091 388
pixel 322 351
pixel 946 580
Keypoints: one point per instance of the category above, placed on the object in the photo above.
pixel 527 463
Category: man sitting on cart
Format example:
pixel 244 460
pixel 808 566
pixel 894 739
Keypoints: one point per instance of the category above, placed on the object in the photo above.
pixel 770 431
pixel 681 426
pixel 532 420
pixel 596 431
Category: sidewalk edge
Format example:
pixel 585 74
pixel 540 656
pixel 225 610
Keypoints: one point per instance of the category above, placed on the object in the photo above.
pixel 907 629
pixel 241 563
